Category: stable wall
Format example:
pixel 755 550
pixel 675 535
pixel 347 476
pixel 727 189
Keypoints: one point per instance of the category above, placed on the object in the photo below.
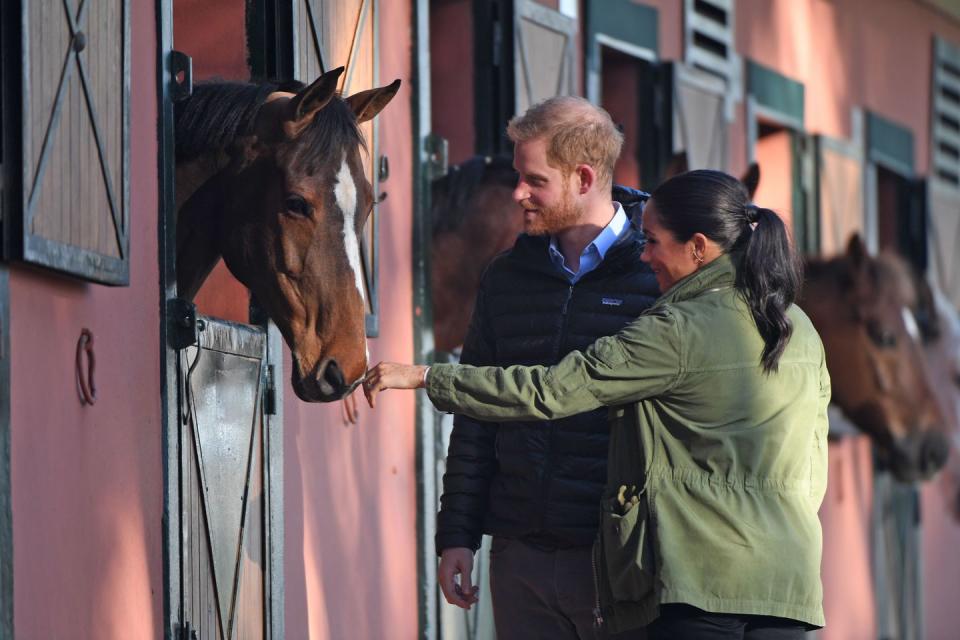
pixel 876 55
pixel 87 489
pixel 350 492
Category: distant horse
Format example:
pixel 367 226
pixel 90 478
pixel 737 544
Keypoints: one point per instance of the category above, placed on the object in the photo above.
pixel 862 306
pixel 941 331
pixel 273 182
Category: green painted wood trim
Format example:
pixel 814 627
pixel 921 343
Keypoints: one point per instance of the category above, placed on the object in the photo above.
pixel 890 144
pixel 623 20
pixel 775 92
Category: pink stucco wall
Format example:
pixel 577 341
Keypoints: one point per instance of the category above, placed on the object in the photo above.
pixel 350 492
pixel 87 482
pixel 873 54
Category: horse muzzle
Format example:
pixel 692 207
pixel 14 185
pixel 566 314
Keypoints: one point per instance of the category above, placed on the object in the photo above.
pixel 919 456
pixel 326 383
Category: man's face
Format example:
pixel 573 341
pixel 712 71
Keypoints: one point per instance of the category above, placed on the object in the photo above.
pixel 547 195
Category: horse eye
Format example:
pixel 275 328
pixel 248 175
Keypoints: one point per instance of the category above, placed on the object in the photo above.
pixel 297 206
pixel 883 338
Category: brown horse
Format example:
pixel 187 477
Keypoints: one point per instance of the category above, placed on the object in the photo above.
pixel 273 182
pixel 862 306
pixel 942 347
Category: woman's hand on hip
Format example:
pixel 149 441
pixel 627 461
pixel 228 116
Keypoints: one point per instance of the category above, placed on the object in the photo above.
pixel 392 375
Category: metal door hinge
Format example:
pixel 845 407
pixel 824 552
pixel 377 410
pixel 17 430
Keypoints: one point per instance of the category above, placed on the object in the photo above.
pixel 182 325
pixel 269 393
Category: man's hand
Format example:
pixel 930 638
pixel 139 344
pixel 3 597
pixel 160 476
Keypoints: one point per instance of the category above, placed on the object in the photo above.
pixel 390 375
pixel 457 561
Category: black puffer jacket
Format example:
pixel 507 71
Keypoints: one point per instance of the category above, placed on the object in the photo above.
pixel 540 481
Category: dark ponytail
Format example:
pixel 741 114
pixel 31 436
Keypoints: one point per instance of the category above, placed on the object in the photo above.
pixel 769 279
pixel 718 206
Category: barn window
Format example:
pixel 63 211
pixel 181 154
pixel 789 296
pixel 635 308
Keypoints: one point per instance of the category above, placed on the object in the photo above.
pixel 333 33
pixel 68 192
pixel 709 43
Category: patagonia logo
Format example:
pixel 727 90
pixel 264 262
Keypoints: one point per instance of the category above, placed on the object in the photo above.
pixel 612 302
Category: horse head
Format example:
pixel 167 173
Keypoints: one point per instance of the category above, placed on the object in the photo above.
pixel 286 214
pixel 862 308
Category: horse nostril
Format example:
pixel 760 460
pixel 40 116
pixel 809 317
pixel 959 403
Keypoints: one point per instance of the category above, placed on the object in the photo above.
pixel 333 376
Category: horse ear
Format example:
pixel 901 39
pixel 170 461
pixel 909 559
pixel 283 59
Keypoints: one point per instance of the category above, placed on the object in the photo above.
pixel 751 179
pixel 857 250
pixel 367 104
pixel 308 101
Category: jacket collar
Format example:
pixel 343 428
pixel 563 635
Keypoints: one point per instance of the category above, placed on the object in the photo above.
pixel 719 274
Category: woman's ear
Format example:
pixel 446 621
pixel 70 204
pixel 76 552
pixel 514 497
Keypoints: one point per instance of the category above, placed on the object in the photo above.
pixel 699 243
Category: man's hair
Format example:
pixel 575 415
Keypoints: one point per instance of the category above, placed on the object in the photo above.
pixel 576 132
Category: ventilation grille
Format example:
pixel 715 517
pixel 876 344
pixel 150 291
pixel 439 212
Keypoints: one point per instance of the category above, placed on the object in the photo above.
pixel 945 137
pixel 708 26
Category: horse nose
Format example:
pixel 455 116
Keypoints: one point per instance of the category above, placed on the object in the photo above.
pixel 934 450
pixel 331 379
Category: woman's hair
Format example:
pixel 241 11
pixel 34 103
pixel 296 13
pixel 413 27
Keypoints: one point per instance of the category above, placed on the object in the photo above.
pixel 718 206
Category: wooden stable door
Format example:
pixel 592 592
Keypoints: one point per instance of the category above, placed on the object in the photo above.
pixel 226 541
pixel 73 199
pixel 343 33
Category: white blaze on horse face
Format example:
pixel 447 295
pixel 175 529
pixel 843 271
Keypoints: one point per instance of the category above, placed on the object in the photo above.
pixel 912 328
pixel 346 195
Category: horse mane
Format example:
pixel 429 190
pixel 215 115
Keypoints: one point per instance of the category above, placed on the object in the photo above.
pixel 452 192
pixel 218 113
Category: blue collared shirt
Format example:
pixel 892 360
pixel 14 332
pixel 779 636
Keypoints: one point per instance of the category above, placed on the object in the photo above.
pixel 594 252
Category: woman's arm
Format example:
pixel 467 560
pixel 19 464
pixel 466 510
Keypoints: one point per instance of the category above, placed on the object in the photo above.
pixel 641 361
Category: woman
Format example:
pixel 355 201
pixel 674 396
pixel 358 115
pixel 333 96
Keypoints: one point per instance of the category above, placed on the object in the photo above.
pixel 718 397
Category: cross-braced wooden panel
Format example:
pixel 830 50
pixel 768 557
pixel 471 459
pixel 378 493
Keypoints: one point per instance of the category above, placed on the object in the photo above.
pixel 74 137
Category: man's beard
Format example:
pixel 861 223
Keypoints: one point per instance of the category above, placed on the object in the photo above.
pixel 553 220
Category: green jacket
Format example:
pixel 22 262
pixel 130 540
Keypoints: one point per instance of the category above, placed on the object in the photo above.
pixel 716 469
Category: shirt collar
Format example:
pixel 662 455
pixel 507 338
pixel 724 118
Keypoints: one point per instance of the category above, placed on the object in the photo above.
pixel 607 236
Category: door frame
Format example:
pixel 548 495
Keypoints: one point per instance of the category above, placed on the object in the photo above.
pixel 170 319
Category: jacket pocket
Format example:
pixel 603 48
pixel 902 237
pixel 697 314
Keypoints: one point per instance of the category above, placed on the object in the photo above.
pixel 626 548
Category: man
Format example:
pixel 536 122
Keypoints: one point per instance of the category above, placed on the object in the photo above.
pixel 573 276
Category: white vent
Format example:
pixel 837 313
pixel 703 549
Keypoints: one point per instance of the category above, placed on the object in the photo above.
pixel 945 116
pixel 710 45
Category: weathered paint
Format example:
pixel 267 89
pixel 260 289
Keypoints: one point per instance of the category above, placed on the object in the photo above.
pixel 350 493
pixel 87 481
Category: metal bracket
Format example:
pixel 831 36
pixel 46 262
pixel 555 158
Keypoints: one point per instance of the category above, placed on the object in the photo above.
pixel 181 71
pixel 437 156
pixel 269 393
pixel 182 330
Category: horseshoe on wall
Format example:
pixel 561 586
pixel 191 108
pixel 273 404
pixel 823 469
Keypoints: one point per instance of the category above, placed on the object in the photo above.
pixel 86 386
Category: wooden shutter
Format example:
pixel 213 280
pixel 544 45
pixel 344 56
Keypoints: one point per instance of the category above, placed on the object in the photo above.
pixel 699 121
pixel 543 53
pixel 225 493
pixel 333 33
pixel 945 116
pixel 840 193
pixel 74 86
pixel 943 238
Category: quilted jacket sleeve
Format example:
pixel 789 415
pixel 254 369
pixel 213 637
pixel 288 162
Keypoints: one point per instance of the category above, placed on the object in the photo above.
pixel 471 456
pixel 641 361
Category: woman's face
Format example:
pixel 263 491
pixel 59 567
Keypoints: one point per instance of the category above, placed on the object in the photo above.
pixel 670 260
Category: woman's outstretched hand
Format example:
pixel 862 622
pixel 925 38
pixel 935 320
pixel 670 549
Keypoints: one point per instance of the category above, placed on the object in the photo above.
pixel 391 375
